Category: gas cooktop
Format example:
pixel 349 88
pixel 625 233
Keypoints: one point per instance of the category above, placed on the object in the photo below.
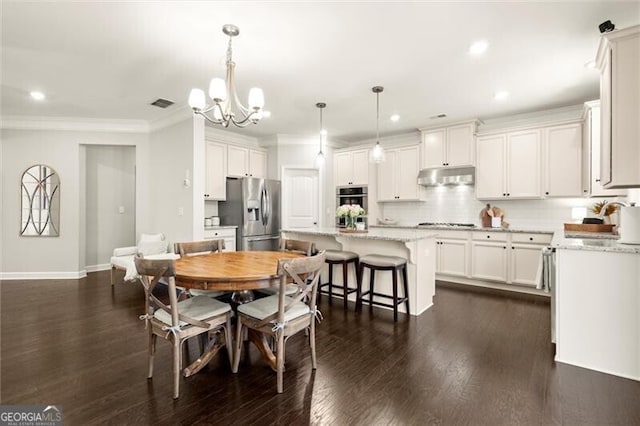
pixel 448 224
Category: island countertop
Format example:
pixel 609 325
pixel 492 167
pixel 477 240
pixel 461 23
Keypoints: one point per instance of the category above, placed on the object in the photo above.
pixel 388 234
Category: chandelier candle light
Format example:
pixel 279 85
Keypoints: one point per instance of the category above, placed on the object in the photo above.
pixel 323 135
pixel 377 153
pixel 224 96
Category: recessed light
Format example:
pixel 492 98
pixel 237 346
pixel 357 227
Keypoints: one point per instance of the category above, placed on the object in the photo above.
pixel 501 95
pixel 478 48
pixel 590 64
pixel 38 96
pixel 266 114
pixel 394 117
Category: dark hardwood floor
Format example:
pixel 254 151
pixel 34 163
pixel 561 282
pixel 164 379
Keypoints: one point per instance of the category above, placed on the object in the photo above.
pixel 473 358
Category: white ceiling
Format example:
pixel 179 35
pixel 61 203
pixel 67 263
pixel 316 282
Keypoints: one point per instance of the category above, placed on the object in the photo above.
pixel 110 60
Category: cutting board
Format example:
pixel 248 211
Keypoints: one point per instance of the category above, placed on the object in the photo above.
pixel 588 227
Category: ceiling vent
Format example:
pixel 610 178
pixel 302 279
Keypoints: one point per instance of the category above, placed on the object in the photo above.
pixel 162 103
pixel 433 117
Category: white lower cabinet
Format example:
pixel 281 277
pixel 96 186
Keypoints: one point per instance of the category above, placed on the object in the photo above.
pixel 226 234
pixel 489 261
pixel 452 253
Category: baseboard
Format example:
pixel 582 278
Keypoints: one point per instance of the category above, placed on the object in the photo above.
pixel 7 276
pixel 540 298
pixel 96 268
pixel 493 285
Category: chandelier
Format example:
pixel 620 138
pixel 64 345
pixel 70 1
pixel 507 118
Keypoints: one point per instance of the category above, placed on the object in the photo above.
pixel 323 135
pixel 225 98
pixel 377 153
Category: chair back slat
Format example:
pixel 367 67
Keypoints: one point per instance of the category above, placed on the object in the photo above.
pixel 305 273
pixel 297 246
pixel 193 248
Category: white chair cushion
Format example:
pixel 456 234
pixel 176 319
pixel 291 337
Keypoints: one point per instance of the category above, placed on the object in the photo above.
pixel 379 260
pixel 126 262
pixel 199 307
pixel 336 255
pixel 147 248
pixel 125 251
pixel 291 289
pixel 208 293
pixel 262 308
pixel 151 237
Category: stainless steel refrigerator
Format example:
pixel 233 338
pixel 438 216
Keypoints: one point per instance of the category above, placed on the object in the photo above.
pixel 253 205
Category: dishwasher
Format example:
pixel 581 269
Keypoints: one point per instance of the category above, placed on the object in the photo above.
pixel 549 283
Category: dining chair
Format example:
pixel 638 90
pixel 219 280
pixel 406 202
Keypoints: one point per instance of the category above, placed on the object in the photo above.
pixel 280 316
pixel 182 320
pixel 295 246
pixel 198 248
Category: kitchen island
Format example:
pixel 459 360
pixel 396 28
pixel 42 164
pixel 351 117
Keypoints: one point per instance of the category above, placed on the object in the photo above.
pixel 597 302
pixel 418 247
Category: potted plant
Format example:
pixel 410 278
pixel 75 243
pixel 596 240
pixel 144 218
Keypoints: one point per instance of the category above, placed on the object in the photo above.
pixel 350 212
pixel 611 209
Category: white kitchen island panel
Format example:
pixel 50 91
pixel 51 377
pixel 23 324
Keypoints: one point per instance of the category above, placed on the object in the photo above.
pixel 598 308
pixel 418 247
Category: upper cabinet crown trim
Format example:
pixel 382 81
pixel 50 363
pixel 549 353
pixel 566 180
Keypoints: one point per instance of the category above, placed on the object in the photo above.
pixel 612 36
pixel 439 126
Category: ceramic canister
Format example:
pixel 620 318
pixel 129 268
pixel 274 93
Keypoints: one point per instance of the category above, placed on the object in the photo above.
pixel 629 225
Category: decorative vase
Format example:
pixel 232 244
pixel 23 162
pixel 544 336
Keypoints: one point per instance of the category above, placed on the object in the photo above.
pixel 351 223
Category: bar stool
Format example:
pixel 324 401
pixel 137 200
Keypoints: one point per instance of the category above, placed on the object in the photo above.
pixel 344 258
pixel 376 262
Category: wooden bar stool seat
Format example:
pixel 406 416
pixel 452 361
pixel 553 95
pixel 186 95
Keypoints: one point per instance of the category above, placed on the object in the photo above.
pixel 376 262
pixel 343 258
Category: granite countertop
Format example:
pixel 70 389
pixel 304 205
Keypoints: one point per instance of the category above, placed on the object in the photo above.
pixel 213 228
pixel 389 234
pixel 591 242
pixel 526 230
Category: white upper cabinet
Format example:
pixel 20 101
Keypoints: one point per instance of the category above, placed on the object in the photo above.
pixel 592 183
pixel 450 146
pixel 563 161
pixel 398 175
pixel 508 165
pixel 215 171
pixel 351 168
pixel 619 62
pixel 246 162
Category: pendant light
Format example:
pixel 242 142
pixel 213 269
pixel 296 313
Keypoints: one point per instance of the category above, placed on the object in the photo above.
pixel 377 153
pixel 323 135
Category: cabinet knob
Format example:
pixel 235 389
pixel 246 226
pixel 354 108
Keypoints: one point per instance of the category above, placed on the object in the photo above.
pixel 584 190
pixel 504 247
pixel 546 193
pixel 508 194
pixel 504 194
pixel 530 238
pixel 488 236
pixel 597 180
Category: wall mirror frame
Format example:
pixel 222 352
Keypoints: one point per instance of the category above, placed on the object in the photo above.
pixel 40 208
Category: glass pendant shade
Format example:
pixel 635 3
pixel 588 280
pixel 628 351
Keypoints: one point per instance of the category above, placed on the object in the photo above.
pixel 197 99
pixel 218 89
pixel 377 153
pixel 320 159
pixel 256 98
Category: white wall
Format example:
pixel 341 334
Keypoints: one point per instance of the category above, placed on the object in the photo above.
pixel 110 184
pixel 458 204
pixel 63 256
pixel 175 152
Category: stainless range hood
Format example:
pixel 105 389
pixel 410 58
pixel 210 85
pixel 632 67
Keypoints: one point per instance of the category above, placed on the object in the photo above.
pixel 447 176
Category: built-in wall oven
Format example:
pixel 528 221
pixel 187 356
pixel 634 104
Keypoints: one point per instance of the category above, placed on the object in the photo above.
pixel 352 195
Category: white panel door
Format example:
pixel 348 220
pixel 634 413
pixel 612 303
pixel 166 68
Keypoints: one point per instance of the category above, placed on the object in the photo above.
pixel 563 161
pixel 490 167
pixel 489 261
pixel 452 257
pixel 523 164
pixel 433 149
pixel 300 195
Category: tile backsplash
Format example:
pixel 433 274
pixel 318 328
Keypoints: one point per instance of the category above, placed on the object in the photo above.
pixel 459 204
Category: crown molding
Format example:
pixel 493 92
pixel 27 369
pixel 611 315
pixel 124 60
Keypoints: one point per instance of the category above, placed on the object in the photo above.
pixel 179 115
pixel 283 139
pixel 391 140
pixel 15 122
pixel 533 119
pixel 225 136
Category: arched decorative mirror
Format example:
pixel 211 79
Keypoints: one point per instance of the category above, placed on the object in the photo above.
pixel 40 202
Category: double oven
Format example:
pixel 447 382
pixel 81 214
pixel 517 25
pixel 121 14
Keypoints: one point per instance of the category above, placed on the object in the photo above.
pixel 352 195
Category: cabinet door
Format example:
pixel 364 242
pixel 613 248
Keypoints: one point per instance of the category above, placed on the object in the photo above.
pixel 489 261
pixel 386 177
pixel 523 164
pixel 452 257
pixel 257 163
pixel 407 164
pixel 433 150
pixel 592 134
pixel 490 167
pixel 215 172
pixel 605 121
pixel 459 147
pixel 360 167
pixel 525 260
pixel 563 161
pixel 237 161
pixel 342 168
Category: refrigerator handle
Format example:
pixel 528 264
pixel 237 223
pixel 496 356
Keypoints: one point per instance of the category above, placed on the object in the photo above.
pixel 268 205
pixel 263 206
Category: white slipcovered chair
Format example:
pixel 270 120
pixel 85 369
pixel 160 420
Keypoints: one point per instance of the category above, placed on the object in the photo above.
pixel 151 246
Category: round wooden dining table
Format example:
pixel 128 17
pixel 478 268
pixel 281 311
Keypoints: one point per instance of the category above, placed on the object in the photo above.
pixel 237 271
